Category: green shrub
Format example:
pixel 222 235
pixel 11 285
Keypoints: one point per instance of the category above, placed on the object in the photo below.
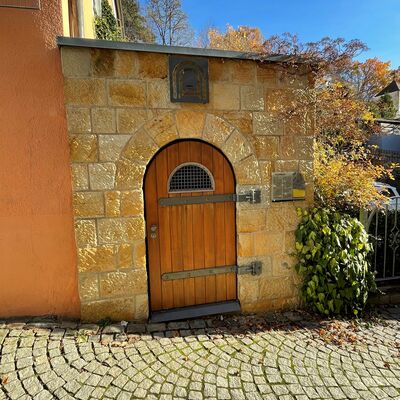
pixel 106 26
pixel 332 251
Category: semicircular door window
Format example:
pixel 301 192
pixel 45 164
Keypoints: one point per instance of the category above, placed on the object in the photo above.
pixel 190 177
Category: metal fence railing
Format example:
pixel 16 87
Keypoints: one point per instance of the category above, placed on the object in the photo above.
pixel 383 227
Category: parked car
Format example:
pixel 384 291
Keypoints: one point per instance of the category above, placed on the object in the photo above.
pixel 392 194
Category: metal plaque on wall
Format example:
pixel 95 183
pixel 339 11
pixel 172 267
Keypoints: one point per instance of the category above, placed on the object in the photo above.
pixel 288 186
pixel 188 77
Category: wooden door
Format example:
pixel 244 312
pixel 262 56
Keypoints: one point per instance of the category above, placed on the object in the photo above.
pixel 190 237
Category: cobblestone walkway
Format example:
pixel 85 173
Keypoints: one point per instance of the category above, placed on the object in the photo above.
pixel 278 356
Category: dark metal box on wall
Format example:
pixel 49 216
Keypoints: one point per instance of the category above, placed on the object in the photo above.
pixel 188 77
pixel 288 186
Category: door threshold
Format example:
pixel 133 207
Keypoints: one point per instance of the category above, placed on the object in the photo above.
pixel 201 310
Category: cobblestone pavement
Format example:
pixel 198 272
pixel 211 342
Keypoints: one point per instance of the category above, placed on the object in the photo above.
pixel 276 356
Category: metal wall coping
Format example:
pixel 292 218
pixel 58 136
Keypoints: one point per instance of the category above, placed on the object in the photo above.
pixel 180 50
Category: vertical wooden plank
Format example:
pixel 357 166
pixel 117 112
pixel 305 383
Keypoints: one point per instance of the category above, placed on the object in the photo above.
pixel 209 227
pixel 150 189
pixel 187 234
pixel 230 232
pixel 164 230
pixel 198 231
pixel 219 236
pixel 175 230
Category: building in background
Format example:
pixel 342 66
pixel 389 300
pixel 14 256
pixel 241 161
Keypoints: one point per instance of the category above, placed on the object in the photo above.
pixel 79 15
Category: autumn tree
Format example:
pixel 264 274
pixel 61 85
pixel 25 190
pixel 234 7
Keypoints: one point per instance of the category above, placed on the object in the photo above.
pixel 368 77
pixel 344 168
pixel 243 38
pixel 136 28
pixel 169 22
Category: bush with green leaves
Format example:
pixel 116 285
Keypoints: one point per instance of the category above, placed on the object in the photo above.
pixel 106 26
pixel 333 262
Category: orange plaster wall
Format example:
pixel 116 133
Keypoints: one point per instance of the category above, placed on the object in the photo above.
pixel 37 253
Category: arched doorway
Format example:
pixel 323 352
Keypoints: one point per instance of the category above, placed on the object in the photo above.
pixel 191 231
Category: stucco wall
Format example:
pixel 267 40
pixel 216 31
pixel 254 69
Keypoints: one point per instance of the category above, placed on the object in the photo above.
pixel 37 249
pixel 119 115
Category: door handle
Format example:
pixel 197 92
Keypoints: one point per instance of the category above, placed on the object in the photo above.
pixel 153 231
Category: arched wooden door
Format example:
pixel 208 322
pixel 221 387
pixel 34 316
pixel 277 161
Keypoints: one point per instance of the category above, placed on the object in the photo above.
pixel 190 227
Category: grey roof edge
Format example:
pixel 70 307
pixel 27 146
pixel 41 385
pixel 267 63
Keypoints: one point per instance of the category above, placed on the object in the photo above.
pixel 388 121
pixel 179 50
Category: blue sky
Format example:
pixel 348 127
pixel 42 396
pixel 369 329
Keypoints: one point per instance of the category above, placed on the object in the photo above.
pixel 376 22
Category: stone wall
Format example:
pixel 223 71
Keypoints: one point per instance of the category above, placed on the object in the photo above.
pixel 119 115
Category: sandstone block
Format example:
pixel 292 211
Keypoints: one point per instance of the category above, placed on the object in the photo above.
pixel 88 287
pixel 247 171
pixel 251 220
pixel 275 288
pixel 225 96
pixel 141 307
pixel 251 98
pixel 96 259
pixel 216 130
pixel 85 233
pixel 152 65
pixel 266 172
pixel 131 203
pixel 190 124
pixel 83 148
pixel 266 74
pixel 78 120
pixel 267 124
pixel 248 290
pixel 245 245
pixel 268 243
pixel 125 256
pixel 110 146
pixel 241 120
pixel 75 61
pixel 129 175
pixel 115 309
pixel 102 62
pixel 121 283
pixel 266 147
pixel 127 93
pixel 88 204
pixel 80 177
pixel 275 219
pixel 236 147
pixel 243 72
pixel 85 91
pixel 158 95
pixel 103 120
pixel 112 204
pixel 219 70
pixel 283 266
pixel 140 148
pixel 102 176
pixel 130 119
pixel 162 128
pixel 305 147
pixel 125 64
pixel 120 230
pixel 139 255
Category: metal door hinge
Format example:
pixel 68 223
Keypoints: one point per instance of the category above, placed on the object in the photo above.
pixel 253 196
pixel 254 268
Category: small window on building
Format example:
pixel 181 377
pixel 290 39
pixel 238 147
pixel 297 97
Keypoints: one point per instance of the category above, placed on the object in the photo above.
pixel 190 177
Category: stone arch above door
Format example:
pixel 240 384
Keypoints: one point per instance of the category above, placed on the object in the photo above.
pixel 169 126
